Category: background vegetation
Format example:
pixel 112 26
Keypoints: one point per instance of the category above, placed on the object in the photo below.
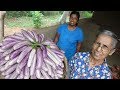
pixel 36 19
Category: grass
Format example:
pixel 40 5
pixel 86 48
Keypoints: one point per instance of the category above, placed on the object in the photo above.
pixel 50 20
pixel 27 22
pixel 19 22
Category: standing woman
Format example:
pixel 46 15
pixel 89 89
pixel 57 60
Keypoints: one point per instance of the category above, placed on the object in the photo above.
pixel 69 36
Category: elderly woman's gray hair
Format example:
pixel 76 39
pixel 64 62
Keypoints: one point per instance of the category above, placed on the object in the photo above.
pixel 112 35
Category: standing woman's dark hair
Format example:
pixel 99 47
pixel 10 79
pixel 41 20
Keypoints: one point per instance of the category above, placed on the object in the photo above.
pixel 76 13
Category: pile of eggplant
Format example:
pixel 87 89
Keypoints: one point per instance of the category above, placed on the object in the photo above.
pixel 28 55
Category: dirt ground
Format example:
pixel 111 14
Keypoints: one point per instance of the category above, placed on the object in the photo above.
pixel 90 30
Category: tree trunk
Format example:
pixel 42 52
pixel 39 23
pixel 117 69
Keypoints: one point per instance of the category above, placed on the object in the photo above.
pixel 2 15
pixel 64 16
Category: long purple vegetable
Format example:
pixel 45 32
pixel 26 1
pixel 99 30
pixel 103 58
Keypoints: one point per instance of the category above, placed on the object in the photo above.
pixel 38 73
pixel 35 35
pixel 7 46
pixel 45 74
pixel 13 75
pixel 22 74
pixel 19 34
pixel 7 76
pixel 7 57
pixel 27 72
pixel 9 39
pixel 23 63
pixel 2 62
pixel 17 37
pixel 49 69
pixel 15 53
pixel 44 51
pixel 44 66
pixel 11 69
pixel 32 68
pixel 23 54
pixel 31 56
pixel 39 58
pixel 50 62
pixel 27 35
pixel 42 37
pixel 31 34
pixel 13 61
pixel 39 38
pixel 20 44
pixel 6 66
pixel 53 54
pixel 33 76
pixel 8 51
pixel 2 50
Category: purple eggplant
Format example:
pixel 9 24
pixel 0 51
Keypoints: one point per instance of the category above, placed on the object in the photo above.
pixel 8 51
pixel 44 51
pixel 44 73
pixel 39 38
pixel 13 75
pixel 20 44
pixel 7 46
pixel 11 69
pixel 23 54
pixel 31 56
pixel 35 36
pixel 33 76
pixel 17 52
pixel 39 58
pixel 17 38
pixel 42 37
pixel 32 68
pixel 23 63
pixel 27 72
pixel 27 35
pixel 2 62
pixel 50 62
pixel 19 34
pixel 38 73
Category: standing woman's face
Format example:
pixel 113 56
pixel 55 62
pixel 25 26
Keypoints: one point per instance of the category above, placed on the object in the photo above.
pixel 73 20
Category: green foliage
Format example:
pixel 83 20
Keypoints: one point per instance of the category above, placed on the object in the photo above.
pixel 25 22
pixel 37 18
pixel 49 13
pixel 87 14
pixel 11 14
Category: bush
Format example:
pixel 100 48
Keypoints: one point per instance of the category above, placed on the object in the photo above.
pixel 48 13
pixel 37 18
pixel 87 14
pixel 11 14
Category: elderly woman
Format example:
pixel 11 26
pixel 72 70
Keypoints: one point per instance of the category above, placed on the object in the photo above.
pixel 93 65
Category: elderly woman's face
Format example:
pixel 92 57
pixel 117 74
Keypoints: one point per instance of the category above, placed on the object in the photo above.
pixel 102 47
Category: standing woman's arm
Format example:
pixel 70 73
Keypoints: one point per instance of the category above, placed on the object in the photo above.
pixel 56 38
pixel 78 47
